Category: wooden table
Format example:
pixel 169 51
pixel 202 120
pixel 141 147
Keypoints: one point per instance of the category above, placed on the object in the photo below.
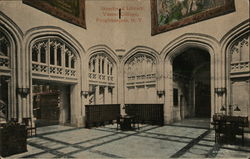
pixel 126 122
pixel 230 127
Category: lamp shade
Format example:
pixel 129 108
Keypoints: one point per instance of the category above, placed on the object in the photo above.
pixel 237 108
pixel 222 108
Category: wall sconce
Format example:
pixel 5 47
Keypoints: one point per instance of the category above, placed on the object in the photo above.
pixel 23 92
pixel 220 91
pixel 85 93
pixel 160 93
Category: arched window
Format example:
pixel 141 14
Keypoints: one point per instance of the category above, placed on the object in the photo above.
pixel 102 81
pixel 53 56
pixel 141 68
pixel 4 46
pixel 43 54
pixel 108 69
pixel 66 60
pixel 238 72
pixel 140 78
pixel 35 53
pixel 93 70
pixel 100 65
pixel 111 71
pixel 4 51
pixel 72 63
pixel 59 56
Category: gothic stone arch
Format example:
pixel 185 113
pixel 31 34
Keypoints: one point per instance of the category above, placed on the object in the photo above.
pixel 175 48
pixel 68 71
pixel 235 50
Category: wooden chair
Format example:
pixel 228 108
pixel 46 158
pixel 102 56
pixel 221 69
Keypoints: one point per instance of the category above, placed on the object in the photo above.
pixel 30 127
pixel 238 127
pixel 118 122
pixel 135 121
pixel 219 127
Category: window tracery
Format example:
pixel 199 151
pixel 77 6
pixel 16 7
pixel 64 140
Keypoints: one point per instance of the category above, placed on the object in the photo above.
pixel 4 51
pixel 53 57
pixel 240 56
pixel 141 69
pixel 101 69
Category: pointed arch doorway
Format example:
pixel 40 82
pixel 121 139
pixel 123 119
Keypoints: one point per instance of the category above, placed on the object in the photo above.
pixel 191 84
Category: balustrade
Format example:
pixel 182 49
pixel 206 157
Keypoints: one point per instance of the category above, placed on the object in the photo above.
pixel 101 77
pixel 41 68
pixel 59 60
pixel 4 61
pixel 240 67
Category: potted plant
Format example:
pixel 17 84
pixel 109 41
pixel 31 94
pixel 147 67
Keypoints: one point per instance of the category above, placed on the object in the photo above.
pixel 13 138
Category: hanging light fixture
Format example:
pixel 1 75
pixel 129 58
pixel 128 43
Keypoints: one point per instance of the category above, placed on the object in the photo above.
pixel 237 109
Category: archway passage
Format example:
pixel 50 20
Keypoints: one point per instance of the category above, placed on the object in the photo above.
pixel 51 103
pixel 192 84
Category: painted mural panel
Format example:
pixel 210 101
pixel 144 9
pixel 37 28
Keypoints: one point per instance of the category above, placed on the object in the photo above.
pixel 72 11
pixel 171 14
pixel 71 7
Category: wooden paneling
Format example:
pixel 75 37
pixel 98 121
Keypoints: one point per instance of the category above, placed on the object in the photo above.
pixel 146 113
pixel 97 115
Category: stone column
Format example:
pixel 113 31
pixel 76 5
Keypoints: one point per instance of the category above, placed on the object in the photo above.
pixel 55 56
pixel 63 55
pixel 168 103
pixel 96 65
pixel 97 96
pixel 106 95
pixel 101 58
pixel 105 66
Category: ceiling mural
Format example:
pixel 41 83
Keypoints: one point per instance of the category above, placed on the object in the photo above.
pixel 171 14
pixel 72 11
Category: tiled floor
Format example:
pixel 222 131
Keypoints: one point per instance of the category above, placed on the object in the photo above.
pixel 186 139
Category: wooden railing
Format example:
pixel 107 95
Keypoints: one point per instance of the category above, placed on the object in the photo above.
pixel 97 115
pixel 146 113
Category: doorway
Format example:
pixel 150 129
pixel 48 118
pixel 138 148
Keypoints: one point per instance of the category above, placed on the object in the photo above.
pixel 192 80
pixel 51 103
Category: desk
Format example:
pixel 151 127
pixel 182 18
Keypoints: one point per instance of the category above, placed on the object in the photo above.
pixel 230 127
pixel 126 122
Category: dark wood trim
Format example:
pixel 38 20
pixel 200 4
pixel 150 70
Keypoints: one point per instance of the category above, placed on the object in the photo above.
pixel 59 13
pixel 156 29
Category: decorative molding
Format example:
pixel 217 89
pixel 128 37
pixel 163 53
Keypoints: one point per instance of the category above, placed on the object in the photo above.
pixel 163 11
pixel 70 11
pixel 103 49
pixel 4 52
pixel 189 40
pixel 140 69
pixel 140 49
pixel 42 64
pixel 102 69
pixel 240 49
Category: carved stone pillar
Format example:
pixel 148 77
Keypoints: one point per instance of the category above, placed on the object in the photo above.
pixel 106 95
pixel 168 103
pixel 97 96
